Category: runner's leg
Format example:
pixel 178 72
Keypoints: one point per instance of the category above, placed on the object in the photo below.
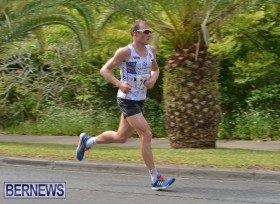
pixel 124 132
pixel 141 126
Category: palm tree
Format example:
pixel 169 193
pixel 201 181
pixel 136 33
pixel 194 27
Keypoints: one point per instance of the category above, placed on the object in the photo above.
pixel 19 18
pixel 24 20
pixel 191 91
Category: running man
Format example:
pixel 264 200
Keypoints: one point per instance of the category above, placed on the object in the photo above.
pixel 139 72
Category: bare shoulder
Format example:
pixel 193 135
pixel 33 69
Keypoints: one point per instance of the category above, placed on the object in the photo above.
pixel 123 53
pixel 153 49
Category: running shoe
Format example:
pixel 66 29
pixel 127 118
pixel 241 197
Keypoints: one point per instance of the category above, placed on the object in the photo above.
pixel 81 148
pixel 162 182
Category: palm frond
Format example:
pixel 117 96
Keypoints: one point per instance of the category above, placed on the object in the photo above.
pixel 106 17
pixel 178 21
pixel 30 15
pixel 20 30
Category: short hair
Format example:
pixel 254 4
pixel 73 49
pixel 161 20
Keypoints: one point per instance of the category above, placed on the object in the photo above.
pixel 136 25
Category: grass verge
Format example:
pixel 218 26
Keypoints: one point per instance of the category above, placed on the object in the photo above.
pixel 219 158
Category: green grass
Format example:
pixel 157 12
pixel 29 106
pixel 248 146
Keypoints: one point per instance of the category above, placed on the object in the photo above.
pixel 219 158
pixel 67 121
pixel 55 120
pixel 251 124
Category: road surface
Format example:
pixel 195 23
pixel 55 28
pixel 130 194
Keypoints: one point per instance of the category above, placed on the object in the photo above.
pixel 99 188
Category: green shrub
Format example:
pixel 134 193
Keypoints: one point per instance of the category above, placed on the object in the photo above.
pixel 61 120
pixel 67 121
pixel 256 124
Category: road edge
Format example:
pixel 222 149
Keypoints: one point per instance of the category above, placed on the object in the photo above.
pixel 130 168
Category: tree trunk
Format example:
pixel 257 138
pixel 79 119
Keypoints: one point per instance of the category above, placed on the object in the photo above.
pixel 191 94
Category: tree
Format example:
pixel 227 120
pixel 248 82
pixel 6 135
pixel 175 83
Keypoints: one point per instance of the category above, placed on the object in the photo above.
pixel 258 69
pixel 249 74
pixel 27 76
pixel 19 18
pixel 191 91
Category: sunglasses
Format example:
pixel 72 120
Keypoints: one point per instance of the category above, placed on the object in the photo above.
pixel 145 31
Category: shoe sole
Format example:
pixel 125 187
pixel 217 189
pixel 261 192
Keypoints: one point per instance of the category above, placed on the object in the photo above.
pixel 163 188
pixel 80 140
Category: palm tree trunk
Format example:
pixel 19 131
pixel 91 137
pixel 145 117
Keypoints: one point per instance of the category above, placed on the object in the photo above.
pixel 192 106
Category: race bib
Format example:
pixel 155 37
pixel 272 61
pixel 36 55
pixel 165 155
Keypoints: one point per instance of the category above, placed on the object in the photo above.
pixel 140 80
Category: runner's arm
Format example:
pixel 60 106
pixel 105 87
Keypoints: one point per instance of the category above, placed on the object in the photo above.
pixel 154 72
pixel 106 71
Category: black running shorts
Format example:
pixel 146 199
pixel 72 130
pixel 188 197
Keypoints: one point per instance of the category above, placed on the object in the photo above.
pixel 130 107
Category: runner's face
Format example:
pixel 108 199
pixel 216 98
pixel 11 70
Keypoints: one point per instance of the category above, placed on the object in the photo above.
pixel 143 34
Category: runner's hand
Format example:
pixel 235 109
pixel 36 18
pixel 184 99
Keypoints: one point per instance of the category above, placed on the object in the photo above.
pixel 125 87
pixel 149 83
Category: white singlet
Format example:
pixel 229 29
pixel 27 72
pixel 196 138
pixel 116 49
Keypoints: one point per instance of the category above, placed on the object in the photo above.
pixel 135 71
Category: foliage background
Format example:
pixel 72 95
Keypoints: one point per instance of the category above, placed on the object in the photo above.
pixel 49 85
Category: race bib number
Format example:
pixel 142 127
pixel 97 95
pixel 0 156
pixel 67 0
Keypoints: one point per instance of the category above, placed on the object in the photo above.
pixel 140 80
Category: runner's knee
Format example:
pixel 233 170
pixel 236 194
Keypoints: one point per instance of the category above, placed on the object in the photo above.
pixel 146 137
pixel 121 138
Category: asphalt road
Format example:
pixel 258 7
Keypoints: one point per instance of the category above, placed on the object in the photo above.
pixel 106 188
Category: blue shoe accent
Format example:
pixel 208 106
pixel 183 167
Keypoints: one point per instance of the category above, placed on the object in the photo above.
pixel 81 148
pixel 162 182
